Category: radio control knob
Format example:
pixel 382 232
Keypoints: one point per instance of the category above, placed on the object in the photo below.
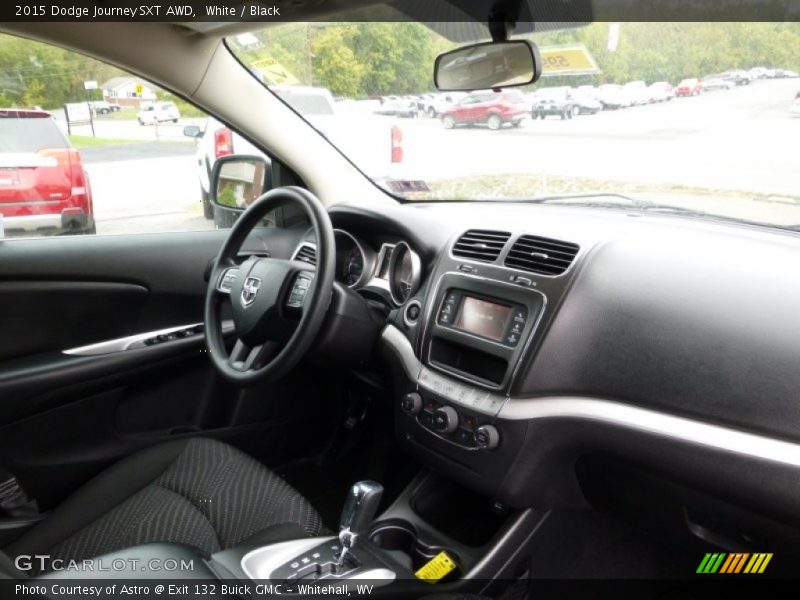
pixel 487 437
pixel 445 419
pixel 411 403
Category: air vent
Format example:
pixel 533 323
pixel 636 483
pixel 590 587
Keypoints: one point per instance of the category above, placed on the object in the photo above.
pixel 307 253
pixel 541 255
pixel 482 245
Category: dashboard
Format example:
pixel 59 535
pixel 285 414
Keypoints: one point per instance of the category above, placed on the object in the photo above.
pixel 525 342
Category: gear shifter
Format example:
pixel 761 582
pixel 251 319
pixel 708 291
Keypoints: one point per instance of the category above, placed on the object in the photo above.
pixel 359 511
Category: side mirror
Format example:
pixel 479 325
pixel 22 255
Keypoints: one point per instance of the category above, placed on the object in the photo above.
pixel 192 131
pixel 237 180
pixel 488 65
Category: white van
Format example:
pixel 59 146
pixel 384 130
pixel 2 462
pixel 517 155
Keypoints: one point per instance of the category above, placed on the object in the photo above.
pixel 158 112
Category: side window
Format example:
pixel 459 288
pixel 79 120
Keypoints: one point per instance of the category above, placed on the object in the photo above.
pixel 86 148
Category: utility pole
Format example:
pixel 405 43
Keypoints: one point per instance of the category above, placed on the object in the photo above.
pixel 309 57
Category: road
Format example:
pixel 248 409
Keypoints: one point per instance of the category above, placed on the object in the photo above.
pixel 742 140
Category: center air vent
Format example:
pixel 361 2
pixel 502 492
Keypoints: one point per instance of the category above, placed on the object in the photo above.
pixel 482 245
pixel 541 255
pixel 307 253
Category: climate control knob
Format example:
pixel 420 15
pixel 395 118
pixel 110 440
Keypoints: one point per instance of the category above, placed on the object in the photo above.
pixel 487 437
pixel 445 419
pixel 411 403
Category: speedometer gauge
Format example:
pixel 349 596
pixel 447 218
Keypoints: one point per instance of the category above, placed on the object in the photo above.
pixel 353 266
pixel 355 261
pixel 405 271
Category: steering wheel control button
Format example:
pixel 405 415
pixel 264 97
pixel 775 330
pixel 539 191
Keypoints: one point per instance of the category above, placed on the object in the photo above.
pixel 299 290
pixel 226 280
pixel 445 419
pixel 487 437
pixel 411 403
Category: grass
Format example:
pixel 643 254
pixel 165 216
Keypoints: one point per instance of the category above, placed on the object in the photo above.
pixel 87 141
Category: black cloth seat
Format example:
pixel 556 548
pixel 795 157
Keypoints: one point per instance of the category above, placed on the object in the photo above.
pixel 198 492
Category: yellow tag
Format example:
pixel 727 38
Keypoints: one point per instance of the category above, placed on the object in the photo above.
pixel 436 568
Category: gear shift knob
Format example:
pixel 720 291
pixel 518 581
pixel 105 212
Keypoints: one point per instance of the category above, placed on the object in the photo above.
pixel 359 510
pixel 360 507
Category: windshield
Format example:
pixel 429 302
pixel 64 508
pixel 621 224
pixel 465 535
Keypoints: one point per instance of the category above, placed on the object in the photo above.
pixel 717 144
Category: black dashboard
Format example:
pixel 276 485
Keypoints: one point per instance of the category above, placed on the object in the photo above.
pixel 530 338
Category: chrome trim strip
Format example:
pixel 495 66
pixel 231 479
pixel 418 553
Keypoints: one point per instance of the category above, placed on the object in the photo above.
pixel 416 272
pixel 126 343
pixel 300 247
pixel 654 422
pixel 615 413
pixel 261 563
pixel 469 397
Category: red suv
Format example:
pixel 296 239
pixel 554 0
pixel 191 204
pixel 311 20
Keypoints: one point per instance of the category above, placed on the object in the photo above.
pixel 494 109
pixel 43 186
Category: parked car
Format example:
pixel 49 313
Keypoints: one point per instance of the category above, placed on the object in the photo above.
pixel 158 112
pixel 795 108
pixel 688 87
pixel 785 74
pixel 438 103
pixel 553 102
pixel 638 92
pixel 612 96
pixel 660 91
pixel 43 185
pixel 397 108
pixel 359 133
pixel 493 109
pixel 717 83
pixel 101 107
pixel 757 72
pixel 738 77
pixel 585 102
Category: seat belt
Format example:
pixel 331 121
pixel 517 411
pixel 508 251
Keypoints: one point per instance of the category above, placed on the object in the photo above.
pixel 14 502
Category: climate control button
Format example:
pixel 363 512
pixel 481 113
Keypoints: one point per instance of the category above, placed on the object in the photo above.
pixel 445 419
pixel 487 437
pixel 411 403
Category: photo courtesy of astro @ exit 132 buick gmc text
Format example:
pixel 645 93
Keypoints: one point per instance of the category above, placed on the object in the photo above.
pixel 443 300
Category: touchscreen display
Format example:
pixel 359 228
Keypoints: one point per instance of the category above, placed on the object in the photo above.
pixel 483 318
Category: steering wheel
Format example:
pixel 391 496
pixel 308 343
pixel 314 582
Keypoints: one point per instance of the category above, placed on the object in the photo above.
pixel 277 305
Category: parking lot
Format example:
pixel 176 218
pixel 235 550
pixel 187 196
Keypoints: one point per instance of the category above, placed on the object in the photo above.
pixel 741 140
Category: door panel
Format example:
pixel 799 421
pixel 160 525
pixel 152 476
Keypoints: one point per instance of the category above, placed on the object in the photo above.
pixel 63 417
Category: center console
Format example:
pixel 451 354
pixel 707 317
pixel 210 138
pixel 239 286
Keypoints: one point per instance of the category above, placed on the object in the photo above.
pixel 462 342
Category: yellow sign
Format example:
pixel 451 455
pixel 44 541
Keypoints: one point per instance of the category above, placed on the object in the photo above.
pixel 139 89
pixel 567 60
pixel 436 568
pixel 275 72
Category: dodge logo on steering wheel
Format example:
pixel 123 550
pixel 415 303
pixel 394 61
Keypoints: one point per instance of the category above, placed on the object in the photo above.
pixel 250 290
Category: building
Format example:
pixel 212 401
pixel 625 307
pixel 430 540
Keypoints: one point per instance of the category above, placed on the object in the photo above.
pixel 128 91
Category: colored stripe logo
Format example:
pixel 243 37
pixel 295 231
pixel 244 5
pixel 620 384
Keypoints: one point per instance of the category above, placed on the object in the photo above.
pixel 736 562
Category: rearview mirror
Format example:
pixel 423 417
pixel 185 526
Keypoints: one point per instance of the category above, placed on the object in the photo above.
pixel 488 65
pixel 238 180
